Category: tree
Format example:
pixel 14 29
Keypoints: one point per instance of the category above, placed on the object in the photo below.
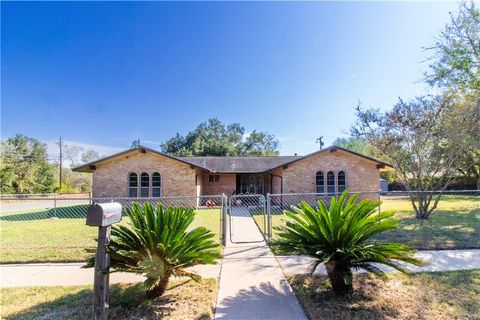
pixel 158 243
pixel 353 144
pixel 24 166
pixel 72 154
pixel 213 138
pixel 89 156
pixel 423 139
pixel 340 236
pixel 455 55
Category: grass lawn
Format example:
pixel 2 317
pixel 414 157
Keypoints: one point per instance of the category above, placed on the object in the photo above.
pixel 455 224
pixel 439 295
pixel 39 237
pixel 192 300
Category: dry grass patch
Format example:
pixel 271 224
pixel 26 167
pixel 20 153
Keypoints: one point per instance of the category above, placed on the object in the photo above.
pixel 183 300
pixel 439 295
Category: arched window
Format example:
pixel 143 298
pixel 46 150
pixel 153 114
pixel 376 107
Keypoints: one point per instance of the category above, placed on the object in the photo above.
pixel 156 184
pixel 133 185
pixel 144 185
pixel 320 182
pixel 330 182
pixel 341 181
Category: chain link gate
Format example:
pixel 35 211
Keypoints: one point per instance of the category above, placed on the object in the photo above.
pixel 247 216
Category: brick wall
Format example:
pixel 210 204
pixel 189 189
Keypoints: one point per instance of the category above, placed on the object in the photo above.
pixel 361 174
pixel 226 184
pixel 110 179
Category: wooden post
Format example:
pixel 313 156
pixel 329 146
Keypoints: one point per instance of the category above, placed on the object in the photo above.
pixel 100 283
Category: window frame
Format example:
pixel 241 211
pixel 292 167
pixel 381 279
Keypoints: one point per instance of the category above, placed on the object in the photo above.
pixel 317 185
pixel 129 185
pixel 142 187
pixel 331 188
pixel 213 178
pixel 154 187
pixel 344 185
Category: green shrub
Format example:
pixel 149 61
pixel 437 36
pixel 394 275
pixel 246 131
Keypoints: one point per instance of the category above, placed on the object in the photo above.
pixel 339 235
pixel 157 244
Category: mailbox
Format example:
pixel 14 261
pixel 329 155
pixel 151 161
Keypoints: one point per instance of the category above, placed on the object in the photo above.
pixel 104 214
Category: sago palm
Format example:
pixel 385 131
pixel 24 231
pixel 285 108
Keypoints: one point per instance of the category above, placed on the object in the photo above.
pixel 340 236
pixel 157 244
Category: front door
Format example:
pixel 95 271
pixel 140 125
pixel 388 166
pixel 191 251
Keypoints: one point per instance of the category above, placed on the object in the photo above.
pixel 250 184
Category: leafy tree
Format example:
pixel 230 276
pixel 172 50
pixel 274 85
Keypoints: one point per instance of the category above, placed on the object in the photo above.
pixel 353 144
pixel 340 236
pixel 24 166
pixel 456 54
pixel 423 139
pixel 157 243
pixel 213 138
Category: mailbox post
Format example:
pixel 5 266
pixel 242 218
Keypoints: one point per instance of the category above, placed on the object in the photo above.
pixel 102 216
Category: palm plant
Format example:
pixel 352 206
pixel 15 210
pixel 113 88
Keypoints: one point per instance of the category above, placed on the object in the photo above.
pixel 158 244
pixel 340 236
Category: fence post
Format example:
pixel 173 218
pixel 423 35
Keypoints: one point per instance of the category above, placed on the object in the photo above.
pixel 269 217
pixel 224 219
pixel 55 204
pixel 379 199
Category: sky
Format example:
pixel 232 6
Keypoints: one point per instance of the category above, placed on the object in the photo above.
pixel 103 74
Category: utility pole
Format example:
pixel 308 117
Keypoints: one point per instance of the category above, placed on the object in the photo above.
pixel 320 142
pixel 60 145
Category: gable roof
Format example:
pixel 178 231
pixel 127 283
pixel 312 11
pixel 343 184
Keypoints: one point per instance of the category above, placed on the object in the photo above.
pixel 229 164
pixel 335 148
pixel 89 167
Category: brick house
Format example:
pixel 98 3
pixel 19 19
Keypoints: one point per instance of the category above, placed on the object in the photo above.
pixel 144 172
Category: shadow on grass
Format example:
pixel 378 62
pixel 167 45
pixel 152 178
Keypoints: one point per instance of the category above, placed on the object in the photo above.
pixel 443 230
pixel 426 295
pixel 70 212
pixel 126 301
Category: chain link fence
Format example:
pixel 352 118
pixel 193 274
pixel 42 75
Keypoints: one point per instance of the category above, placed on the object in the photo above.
pixel 53 229
pixel 454 224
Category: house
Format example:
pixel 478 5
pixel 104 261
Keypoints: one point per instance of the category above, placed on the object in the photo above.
pixel 144 172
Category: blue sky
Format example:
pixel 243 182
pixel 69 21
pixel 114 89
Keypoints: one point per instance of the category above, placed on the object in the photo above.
pixel 107 73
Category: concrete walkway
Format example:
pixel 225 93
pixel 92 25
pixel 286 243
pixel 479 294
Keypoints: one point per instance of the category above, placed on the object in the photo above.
pixel 252 284
pixel 438 260
pixel 71 274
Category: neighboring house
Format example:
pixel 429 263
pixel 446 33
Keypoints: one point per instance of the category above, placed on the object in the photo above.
pixel 144 172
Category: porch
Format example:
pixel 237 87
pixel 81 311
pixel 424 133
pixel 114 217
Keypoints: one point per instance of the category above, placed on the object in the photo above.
pixel 238 183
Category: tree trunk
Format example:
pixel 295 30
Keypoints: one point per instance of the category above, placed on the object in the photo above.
pixel 159 289
pixel 340 278
pixel 420 205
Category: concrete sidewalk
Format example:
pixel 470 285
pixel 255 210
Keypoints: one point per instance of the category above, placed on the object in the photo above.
pixel 438 260
pixel 252 284
pixel 71 274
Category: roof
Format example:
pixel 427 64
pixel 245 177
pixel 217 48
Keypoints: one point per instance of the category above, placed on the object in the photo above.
pixel 229 164
pixel 239 164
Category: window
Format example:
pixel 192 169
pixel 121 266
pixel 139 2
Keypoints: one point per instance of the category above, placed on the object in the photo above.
pixel 213 178
pixel 341 181
pixel 320 182
pixel 330 182
pixel 144 185
pixel 156 184
pixel 132 185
